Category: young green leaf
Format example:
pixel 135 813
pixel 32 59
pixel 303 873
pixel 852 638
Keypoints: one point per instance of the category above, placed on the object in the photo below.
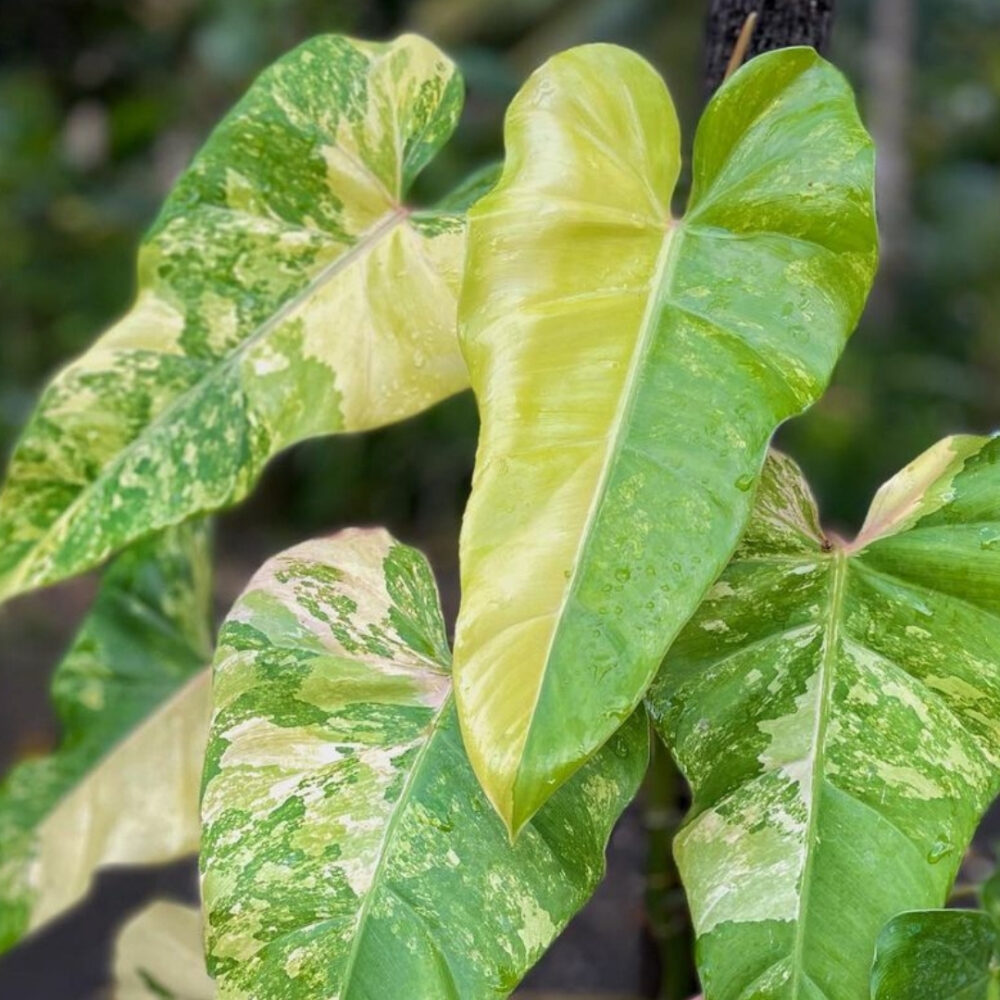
pixel 937 955
pixel 285 291
pixel 158 956
pixel 630 369
pixel 133 698
pixel 941 954
pixel 348 850
pixel 836 709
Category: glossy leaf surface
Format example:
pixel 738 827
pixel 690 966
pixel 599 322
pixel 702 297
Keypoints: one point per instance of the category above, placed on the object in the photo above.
pixel 836 709
pixel 348 850
pixel 630 369
pixel 285 291
pixel 158 956
pixel 133 698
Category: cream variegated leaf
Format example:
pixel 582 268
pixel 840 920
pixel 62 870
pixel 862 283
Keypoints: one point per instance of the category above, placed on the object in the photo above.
pixel 133 698
pixel 348 851
pixel 630 368
pixel 158 956
pixel 286 290
pixel 836 709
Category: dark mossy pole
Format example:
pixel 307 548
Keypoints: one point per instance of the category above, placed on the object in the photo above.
pixel 779 23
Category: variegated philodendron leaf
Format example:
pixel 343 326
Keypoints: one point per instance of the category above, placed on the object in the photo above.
pixel 284 291
pixel 348 851
pixel 133 698
pixel 836 709
pixel 941 954
pixel 630 368
pixel 158 956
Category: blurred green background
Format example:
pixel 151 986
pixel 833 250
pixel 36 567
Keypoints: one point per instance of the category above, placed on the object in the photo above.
pixel 102 103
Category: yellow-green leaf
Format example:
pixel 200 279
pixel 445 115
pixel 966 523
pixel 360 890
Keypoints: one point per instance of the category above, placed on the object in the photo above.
pixel 836 710
pixel 286 290
pixel 348 850
pixel 630 368
pixel 133 698
pixel 158 956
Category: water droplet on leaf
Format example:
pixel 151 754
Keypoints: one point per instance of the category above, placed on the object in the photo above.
pixel 989 538
pixel 940 849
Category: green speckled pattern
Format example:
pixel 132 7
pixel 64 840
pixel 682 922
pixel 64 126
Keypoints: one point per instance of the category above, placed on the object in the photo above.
pixel 836 709
pixel 285 291
pixel 348 852
pixel 132 698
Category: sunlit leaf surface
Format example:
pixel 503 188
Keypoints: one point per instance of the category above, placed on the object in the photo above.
pixel 630 368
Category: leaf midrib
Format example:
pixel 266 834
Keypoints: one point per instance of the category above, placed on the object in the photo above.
pixel 659 289
pixel 839 563
pixel 385 845
pixel 660 292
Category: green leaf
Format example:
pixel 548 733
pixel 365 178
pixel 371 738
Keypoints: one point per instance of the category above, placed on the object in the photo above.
pixel 158 956
pixel 941 954
pixel 348 850
pixel 937 955
pixel 630 369
pixel 836 709
pixel 479 183
pixel 285 291
pixel 133 698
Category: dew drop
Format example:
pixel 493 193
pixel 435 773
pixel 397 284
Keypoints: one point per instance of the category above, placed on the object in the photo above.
pixel 989 539
pixel 744 483
pixel 940 849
